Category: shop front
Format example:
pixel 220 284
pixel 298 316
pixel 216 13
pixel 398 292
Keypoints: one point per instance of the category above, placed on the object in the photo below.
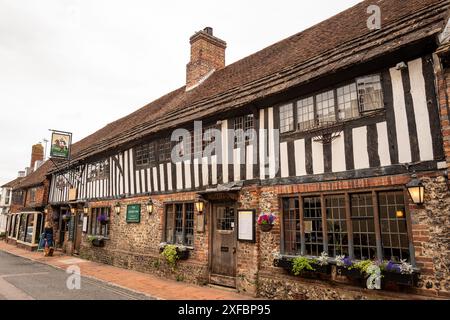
pixel 25 228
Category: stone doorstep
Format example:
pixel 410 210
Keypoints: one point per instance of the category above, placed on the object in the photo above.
pixel 220 293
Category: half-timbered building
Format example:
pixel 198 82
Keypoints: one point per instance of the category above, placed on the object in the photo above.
pixel 324 129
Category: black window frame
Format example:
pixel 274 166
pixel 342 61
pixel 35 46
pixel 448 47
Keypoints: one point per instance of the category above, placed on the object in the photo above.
pixel 187 226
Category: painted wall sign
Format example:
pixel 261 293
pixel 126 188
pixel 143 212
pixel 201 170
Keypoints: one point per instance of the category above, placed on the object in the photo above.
pixel 246 225
pixel 134 213
pixel 60 145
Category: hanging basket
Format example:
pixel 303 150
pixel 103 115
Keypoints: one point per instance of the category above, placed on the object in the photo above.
pixel 266 227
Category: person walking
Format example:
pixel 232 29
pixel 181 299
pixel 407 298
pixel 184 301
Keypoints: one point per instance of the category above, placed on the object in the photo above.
pixel 48 240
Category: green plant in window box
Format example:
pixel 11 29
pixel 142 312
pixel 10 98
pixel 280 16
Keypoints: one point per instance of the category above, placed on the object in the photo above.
pixel 96 241
pixel 170 253
pixel 302 264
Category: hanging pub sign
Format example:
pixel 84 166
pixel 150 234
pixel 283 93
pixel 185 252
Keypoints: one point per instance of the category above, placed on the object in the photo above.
pixel 134 213
pixel 60 145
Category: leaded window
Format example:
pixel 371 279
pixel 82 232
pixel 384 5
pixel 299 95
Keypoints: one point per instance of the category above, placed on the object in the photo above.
pixel 347 99
pixel 179 228
pixel 243 129
pixel 286 118
pixel 165 149
pixel 291 220
pixel 362 213
pixel 99 221
pixel 145 154
pixel 305 114
pixel 336 225
pixel 370 93
pixel 326 112
pixel 312 211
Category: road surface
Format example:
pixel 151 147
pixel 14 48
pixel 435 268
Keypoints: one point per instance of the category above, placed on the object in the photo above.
pixel 23 279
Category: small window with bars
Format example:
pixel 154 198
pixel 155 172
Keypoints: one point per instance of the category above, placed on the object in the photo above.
pixel 179 227
pixel 287 118
pixel 370 93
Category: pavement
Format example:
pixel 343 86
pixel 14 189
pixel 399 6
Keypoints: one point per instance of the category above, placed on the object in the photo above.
pixel 26 275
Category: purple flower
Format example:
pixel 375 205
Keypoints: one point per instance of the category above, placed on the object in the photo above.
pixel 393 267
pixel 102 218
pixel 347 262
pixel 266 219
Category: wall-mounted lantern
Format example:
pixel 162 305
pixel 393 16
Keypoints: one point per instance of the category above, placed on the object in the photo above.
pixel 73 210
pixel 86 209
pixel 399 214
pixel 46 210
pixel 150 206
pixel 416 191
pixel 117 208
pixel 199 204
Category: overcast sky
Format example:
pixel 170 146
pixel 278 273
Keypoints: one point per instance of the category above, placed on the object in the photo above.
pixel 77 65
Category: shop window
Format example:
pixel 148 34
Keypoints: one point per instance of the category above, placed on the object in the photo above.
pixel 96 227
pixel 291 220
pixel 312 210
pixel 286 118
pixel 370 93
pixel 305 114
pixel 393 226
pixel 336 225
pixel 179 228
pixel 29 228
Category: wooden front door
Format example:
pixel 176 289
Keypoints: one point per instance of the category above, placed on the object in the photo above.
pixel 223 255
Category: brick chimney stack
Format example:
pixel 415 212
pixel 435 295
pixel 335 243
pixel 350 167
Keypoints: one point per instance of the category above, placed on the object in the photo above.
pixel 37 154
pixel 207 56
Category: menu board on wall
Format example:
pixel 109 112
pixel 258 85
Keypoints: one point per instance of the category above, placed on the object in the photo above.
pixel 72 229
pixel 134 213
pixel 246 225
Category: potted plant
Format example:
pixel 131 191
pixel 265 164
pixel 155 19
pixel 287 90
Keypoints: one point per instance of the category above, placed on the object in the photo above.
pixel 182 251
pixel 103 219
pixel 97 241
pixel 67 217
pixel 170 253
pixel 266 222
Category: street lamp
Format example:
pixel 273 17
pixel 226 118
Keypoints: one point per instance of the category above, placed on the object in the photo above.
pixel 416 191
pixel 86 208
pixel 117 208
pixel 199 204
pixel 150 206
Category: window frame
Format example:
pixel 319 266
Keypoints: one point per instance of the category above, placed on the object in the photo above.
pixel 314 94
pixel 347 194
pixel 94 225
pixel 184 223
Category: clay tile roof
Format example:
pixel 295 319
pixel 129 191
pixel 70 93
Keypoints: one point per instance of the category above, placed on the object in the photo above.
pixel 330 46
pixel 35 178
pixel 12 184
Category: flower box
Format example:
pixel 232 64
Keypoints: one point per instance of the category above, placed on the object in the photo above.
pixel 350 273
pixel 399 278
pixel 183 254
pixel 98 243
pixel 283 263
pixel 287 265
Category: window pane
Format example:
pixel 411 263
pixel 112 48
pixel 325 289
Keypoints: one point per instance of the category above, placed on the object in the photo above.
pixel 325 107
pixel 165 149
pixel 313 226
pixel 363 226
pixel 291 220
pixel 170 223
pixel 243 129
pixel 347 99
pixel 393 228
pixel 370 93
pixel 225 218
pixel 179 223
pixel 286 118
pixel 337 227
pixel 189 224
pixel 305 114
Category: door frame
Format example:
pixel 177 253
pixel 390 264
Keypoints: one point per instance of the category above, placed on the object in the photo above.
pixel 212 226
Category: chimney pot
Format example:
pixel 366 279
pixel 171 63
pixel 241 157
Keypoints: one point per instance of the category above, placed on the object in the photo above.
pixel 208 30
